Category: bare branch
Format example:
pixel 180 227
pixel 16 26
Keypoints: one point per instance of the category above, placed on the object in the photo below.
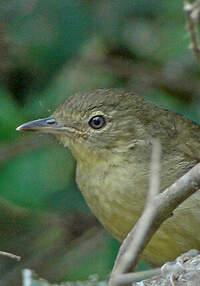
pixel 192 12
pixel 10 255
pixel 164 205
pixel 131 248
pixel 154 178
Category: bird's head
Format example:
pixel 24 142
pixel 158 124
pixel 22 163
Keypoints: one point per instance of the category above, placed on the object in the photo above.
pixel 100 120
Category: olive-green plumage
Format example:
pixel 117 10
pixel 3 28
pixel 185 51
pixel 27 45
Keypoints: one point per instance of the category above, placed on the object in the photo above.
pixel 109 132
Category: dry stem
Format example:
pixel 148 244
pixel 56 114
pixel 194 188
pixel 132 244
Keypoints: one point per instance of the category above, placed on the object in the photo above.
pixel 10 255
pixel 192 12
pixel 163 206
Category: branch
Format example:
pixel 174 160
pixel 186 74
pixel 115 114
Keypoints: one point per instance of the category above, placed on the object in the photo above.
pixel 192 12
pixel 163 206
pixel 10 255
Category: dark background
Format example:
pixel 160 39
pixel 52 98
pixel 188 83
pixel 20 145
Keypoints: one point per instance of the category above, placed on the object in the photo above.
pixel 49 50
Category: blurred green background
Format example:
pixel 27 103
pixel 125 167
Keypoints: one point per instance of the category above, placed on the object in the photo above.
pixel 49 50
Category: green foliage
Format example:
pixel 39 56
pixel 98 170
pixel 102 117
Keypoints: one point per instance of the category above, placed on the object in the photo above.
pixel 35 176
pixel 9 115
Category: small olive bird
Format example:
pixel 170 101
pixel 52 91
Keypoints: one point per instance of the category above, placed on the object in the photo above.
pixel 109 132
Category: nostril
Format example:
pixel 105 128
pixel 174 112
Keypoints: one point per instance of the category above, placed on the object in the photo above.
pixel 51 121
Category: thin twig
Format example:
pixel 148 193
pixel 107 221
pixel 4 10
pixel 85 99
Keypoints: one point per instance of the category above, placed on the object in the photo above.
pixel 192 12
pixel 27 277
pixel 131 248
pixel 154 178
pixel 165 203
pixel 10 255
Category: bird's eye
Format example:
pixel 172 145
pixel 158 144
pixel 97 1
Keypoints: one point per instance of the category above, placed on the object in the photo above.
pixel 97 122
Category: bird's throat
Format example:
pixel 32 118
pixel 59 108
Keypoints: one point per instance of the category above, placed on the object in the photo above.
pixel 106 184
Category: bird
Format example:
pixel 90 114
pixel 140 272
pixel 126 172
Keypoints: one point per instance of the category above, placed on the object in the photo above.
pixel 109 133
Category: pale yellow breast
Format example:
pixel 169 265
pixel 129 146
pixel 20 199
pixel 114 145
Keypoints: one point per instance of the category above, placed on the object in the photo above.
pixel 115 190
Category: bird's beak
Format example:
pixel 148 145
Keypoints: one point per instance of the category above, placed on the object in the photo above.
pixel 44 125
pixel 49 125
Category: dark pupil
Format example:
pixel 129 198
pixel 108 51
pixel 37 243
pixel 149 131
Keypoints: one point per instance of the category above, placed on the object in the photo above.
pixel 97 122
